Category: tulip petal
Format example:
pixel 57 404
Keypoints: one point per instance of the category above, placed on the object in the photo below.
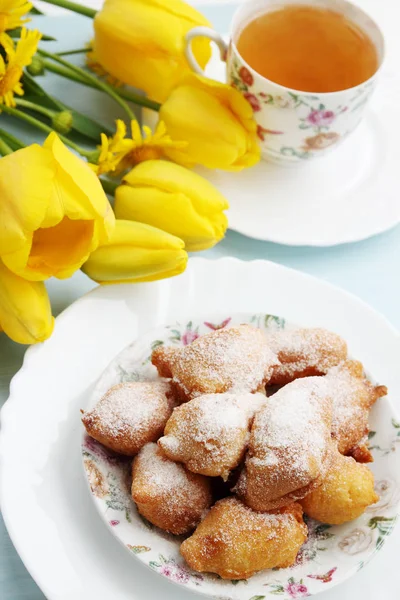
pixel 215 120
pixel 151 33
pixel 176 200
pixel 26 178
pixel 25 312
pixel 136 253
pixel 77 189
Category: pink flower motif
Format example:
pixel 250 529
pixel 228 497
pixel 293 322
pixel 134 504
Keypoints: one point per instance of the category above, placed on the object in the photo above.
pixel 189 336
pixel 321 118
pixel 113 523
pixel 175 573
pixel 326 577
pixel 297 590
pixel 253 100
pixel 216 326
pixel 246 76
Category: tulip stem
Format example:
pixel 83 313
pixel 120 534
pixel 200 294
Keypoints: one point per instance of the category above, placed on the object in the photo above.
pixel 11 140
pixel 96 82
pixel 131 96
pixel 35 107
pixel 76 51
pixel 14 112
pixel 78 8
pixel 109 186
pixel 4 148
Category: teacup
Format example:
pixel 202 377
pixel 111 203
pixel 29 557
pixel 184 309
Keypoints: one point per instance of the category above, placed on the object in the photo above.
pixel 292 125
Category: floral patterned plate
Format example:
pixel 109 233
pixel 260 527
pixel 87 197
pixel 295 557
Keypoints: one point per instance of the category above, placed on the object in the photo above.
pixel 330 554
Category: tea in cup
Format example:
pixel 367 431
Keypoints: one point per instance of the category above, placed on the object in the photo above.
pixel 307 67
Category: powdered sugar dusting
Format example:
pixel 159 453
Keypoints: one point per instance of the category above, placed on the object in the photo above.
pixel 130 406
pixel 353 397
pixel 234 359
pixel 293 427
pixel 211 432
pixel 308 351
pixel 162 473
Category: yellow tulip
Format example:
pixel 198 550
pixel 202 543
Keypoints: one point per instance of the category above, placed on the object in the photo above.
pixel 172 198
pixel 141 42
pixel 53 211
pixel 216 121
pixel 135 253
pixel 25 312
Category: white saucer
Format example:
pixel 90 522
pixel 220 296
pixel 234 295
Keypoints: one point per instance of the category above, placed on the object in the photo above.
pixel 346 196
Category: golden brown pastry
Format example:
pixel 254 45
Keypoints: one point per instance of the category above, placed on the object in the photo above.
pixel 304 353
pixel 235 542
pixel 353 396
pixel 161 358
pixel 129 415
pixel 290 445
pixel 166 494
pixel 236 359
pixel 210 434
pixel 344 494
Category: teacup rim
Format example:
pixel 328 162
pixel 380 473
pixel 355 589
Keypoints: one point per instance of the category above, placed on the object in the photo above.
pixel 297 92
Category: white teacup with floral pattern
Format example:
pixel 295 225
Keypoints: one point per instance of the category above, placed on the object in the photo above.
pixel 293 125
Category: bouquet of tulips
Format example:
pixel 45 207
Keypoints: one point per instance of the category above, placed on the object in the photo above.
pixel 55 212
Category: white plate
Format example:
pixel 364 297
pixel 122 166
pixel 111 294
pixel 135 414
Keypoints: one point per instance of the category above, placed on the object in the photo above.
pixel 44 497
pixel 346 196
pixel 330 555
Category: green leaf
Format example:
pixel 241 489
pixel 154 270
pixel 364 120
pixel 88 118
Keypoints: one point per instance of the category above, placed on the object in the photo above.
pixel 35 93
pixel 156 344
pixel 154 565
pixel 10 140
pixel 371 434
pixel 396 424
pixel 86 126
pixel 35 11
pixel 257 598
pixel 139 549
pixel 80 123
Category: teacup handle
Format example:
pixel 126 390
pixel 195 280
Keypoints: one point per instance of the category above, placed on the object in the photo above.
pixel 208 33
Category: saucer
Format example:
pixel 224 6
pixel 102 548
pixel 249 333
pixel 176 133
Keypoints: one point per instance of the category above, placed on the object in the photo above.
pixel 345 196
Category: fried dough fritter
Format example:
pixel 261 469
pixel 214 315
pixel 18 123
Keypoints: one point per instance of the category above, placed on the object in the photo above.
pixel 166 494
pixel 235 542
pixel 129 415
pixel 353 396
pixel 344 494
pixel 236 359
pixel 290 445
pixel 210 433
pixel 305 353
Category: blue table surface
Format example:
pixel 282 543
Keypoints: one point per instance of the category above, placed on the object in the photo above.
pixel 369 269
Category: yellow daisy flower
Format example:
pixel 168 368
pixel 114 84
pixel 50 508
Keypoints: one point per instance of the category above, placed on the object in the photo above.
pixel 11 13
pixel 120 153
pixel 18 57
